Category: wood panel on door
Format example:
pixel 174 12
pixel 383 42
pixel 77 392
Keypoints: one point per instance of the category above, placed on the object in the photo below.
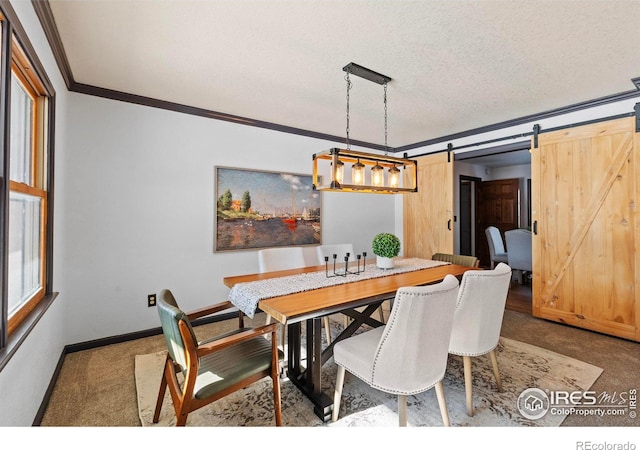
pixel 585 261
pixel 497 204
pixel 428 213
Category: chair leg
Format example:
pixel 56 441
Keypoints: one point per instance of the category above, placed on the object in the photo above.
pixel 442 403
pixel 468 384
pixel 163 389
pixel 277 397
pixel 327 329
pixel 402 410
pixel 283 330
pixel 381 313
pixel 496 372
pixel 337 396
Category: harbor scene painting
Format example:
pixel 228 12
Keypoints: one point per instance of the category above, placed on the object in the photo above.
pixel 260 209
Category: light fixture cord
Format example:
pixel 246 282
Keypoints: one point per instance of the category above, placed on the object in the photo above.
pixel 385 119
pixel 348 80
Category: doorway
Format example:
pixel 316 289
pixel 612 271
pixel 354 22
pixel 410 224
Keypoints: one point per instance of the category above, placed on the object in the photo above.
pixel 467 214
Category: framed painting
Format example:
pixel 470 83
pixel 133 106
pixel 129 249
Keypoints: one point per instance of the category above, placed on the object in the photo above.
pixel 259 209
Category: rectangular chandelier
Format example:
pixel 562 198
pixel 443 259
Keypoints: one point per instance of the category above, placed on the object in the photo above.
pixel 352 171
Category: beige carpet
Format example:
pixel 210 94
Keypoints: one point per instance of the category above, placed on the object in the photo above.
pixel 522 366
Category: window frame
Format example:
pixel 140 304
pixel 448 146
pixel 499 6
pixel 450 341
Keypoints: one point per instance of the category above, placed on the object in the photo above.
pixel 19 57
pixel 29 81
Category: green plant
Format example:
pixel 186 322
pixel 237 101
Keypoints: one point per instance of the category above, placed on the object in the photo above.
pixel 386 245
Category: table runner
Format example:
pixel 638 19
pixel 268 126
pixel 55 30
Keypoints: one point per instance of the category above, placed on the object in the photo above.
pixel 245 296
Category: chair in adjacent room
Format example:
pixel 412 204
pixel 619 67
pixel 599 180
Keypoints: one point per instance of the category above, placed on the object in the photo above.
pixel 497 251
pixel 340 250
pixel 409 354
pixel 284 258
pixel 478 320
pixel 215 367
pixel 519 254
pixel 461 260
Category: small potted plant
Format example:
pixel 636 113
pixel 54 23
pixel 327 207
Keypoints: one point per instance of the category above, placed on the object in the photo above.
pixel 386 246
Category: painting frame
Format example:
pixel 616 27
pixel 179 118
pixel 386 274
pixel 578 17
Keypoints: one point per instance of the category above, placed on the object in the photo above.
pixel 255 209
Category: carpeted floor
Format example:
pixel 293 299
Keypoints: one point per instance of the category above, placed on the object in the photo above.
pixel 97 387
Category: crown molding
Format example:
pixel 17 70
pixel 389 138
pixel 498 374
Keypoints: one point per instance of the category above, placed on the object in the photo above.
pixel 45 15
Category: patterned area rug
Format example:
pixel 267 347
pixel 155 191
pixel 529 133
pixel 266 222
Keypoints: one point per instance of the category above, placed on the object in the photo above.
pixel 522 366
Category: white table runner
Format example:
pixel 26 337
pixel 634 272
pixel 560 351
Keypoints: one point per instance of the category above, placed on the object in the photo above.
pixel 245 296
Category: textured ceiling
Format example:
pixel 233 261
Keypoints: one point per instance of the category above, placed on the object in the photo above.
pixel 455 65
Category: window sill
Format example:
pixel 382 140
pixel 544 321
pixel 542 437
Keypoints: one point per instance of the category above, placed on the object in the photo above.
pixel 20 334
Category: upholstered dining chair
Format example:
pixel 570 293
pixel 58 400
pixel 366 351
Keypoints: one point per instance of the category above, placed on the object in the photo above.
pixel 461 260
pixel 215 367
pixel 409 354
pixel 497 251
pixel 520 252
pixel 340 250
pixel 478 320
pixel 284 258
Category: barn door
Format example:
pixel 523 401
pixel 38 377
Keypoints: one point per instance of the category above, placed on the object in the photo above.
pixel 428 213
pixel 585 188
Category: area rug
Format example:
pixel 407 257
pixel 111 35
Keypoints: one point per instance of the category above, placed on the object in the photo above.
pixel 522 366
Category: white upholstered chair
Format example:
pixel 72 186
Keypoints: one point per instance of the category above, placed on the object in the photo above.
pixel 340 250
pixel 409 354
pixel 280 258
pixel 478 320
pixel 284 258
pixel 497 251
pixel 519 251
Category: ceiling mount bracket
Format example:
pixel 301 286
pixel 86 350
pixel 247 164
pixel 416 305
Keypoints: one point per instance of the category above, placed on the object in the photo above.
pixel 536 131
pixel 365 73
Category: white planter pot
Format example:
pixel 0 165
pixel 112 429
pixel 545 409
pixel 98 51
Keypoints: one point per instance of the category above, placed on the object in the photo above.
pixel 384 263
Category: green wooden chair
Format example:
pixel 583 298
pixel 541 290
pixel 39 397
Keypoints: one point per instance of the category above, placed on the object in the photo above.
pixel 215 367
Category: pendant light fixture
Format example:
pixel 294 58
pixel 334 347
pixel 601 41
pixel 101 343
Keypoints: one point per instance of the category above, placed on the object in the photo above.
pixel 329 166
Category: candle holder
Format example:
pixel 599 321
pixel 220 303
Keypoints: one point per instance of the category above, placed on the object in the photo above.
pixel 346 271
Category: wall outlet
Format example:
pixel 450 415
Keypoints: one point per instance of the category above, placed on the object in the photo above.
pixel 151 300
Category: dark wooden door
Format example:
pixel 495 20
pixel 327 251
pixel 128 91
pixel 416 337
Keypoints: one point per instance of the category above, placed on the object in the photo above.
pixel 497 204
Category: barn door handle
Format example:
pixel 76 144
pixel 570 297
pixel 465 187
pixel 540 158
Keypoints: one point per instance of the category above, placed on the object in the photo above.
pixel 449 224
pixel 535 227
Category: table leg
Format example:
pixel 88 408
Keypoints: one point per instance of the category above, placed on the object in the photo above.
pixel 308 381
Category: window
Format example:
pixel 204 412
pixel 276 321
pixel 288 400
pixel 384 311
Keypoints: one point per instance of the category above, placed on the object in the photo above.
pixel 27 98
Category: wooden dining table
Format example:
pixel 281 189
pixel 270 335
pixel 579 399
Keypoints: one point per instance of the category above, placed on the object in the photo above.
pixel 357 299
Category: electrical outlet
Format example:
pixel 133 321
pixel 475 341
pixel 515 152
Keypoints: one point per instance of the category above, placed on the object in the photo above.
pixel 151 300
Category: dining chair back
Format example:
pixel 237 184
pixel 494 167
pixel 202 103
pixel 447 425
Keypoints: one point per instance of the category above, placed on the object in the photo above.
pixel 478 319
pixel 280 258
pixel 216 367
pixel 340 250
pixel 461 260
pixel 519 243
pixel 409 354
pixel 497 251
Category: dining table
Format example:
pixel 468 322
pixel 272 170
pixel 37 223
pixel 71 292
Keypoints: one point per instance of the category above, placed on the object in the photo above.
pixel 308 294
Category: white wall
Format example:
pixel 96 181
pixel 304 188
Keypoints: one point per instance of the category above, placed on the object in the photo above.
pixel 139 213
pixel 25 378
